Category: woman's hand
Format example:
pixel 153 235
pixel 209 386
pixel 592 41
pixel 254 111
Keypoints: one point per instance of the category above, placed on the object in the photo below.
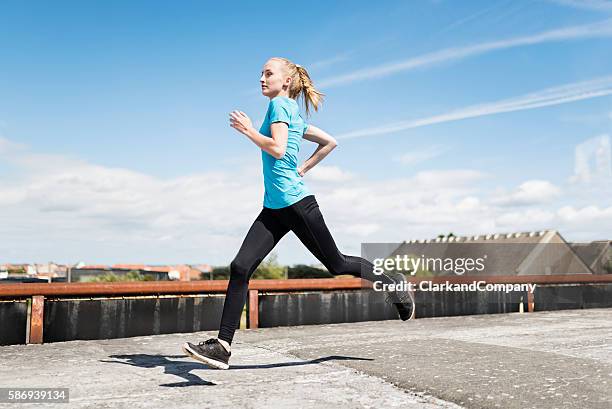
pixel 240 122
pixel 301 171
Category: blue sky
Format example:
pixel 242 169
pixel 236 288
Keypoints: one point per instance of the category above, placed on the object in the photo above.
pixel 472 117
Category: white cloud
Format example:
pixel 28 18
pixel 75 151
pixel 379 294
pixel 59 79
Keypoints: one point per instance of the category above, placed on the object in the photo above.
pixel 68 210
pixel 563 94
pixel 599 29
pixel 58 200
pixel 586 214
pixel 362 229
pixel 403 207
pixel 528 219
pixel 593 161
pixel 586 222
pixel 469 204
pixel 529 193
pixel 433 202
pixel 324 173
pixel 415 157
pixel 7 146
pixel 447 178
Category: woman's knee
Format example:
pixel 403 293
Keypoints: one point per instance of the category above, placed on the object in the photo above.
pixel 239 270
pixel 353 265
pixel 338 265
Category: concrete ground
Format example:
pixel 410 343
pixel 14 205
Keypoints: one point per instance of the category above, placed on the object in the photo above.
pixel 557 359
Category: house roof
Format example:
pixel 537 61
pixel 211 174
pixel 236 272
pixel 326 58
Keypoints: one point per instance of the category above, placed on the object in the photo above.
pixel 595 254
pixel 543 252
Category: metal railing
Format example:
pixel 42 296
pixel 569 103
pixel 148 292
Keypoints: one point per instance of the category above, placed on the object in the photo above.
pixel 38 291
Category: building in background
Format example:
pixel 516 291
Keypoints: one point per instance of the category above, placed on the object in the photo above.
pixel 524 253
pixel 597 255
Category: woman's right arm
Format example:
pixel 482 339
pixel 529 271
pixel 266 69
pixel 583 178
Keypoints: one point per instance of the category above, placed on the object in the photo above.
pixel 326 144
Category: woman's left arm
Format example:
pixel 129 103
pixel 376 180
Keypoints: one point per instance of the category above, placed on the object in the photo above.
pixel 326 142
pixel 275 146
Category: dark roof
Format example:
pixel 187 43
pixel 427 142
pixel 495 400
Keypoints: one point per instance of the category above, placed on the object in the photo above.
pixel 594 254
pixel 543 252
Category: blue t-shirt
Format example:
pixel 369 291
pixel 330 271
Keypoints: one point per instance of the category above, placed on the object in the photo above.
pixel 283 185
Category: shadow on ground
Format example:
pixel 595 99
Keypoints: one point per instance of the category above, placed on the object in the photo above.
pixel 183 369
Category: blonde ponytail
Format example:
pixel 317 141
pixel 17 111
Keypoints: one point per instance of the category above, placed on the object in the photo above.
pixel 301 84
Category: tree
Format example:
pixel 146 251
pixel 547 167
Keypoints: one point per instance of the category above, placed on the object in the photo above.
pixel 270 269
pixel 218 273
pixel 267 269
pixel 18 270
pixel 608 266
pixel 305 271
pixel 132 275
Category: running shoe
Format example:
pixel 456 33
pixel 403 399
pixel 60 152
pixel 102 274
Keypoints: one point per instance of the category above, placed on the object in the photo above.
pixel 402 300
pixel 211 352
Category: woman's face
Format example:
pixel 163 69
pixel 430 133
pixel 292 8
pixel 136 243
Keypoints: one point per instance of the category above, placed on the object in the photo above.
pixel 273 79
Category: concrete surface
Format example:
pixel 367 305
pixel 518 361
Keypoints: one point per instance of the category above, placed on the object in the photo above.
pixel 560 359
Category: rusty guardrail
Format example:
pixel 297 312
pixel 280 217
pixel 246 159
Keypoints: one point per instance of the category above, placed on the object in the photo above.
pixel 38 291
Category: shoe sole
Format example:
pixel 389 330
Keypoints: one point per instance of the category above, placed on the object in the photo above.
pixel 208 361
pixel 413 311
pixel 413 307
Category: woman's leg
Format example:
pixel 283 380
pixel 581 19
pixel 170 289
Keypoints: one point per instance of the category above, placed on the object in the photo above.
pixel 306 221
pixel 266 231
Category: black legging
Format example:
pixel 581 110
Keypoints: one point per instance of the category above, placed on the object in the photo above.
pixel 306 221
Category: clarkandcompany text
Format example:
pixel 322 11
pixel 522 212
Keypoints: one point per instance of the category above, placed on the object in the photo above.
pixel 448 286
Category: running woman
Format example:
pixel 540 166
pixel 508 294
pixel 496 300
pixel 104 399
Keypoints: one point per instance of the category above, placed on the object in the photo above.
pixel 288 205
